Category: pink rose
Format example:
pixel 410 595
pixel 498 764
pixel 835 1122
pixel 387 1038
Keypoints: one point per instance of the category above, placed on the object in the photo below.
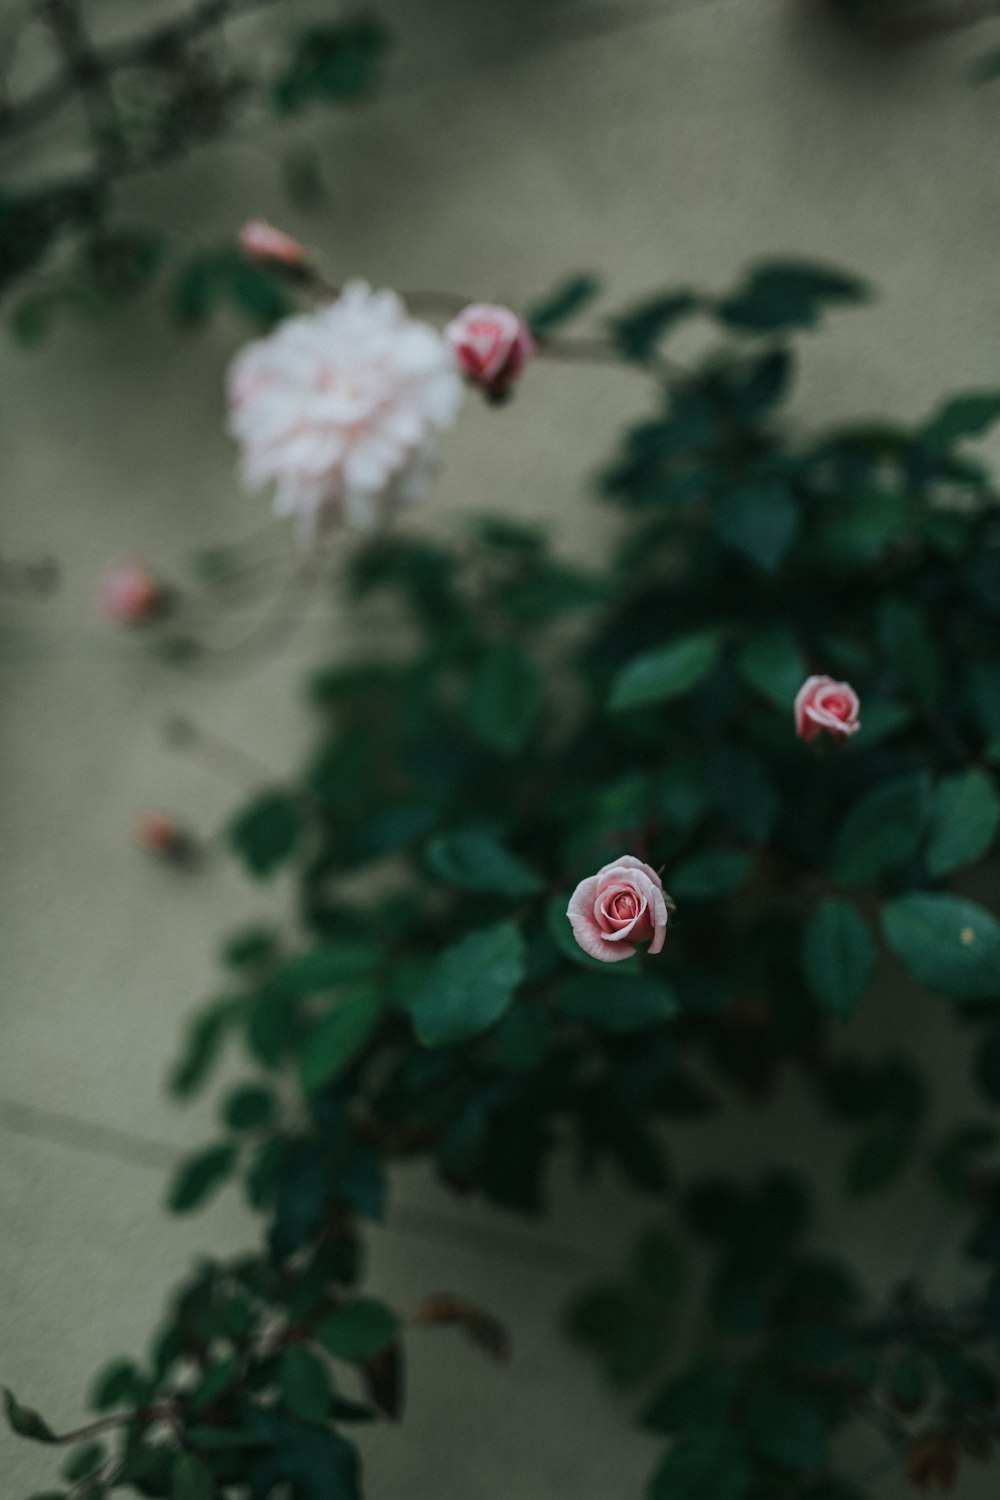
pixel 262 242
pixel 822 704
pixel 492 345
pixel 128 593
pixel 620 906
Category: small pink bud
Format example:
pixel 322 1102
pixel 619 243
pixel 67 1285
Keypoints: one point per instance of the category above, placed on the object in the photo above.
pixel 129 594
pixel 264 243
pixel 825 706
pixel 491 346
pixel 160 835
pixel 622 905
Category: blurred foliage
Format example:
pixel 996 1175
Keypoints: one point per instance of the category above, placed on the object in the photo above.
pixel 66 243
pixel 536 719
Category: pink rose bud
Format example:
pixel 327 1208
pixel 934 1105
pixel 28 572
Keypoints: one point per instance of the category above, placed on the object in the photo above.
pixel 620 906
pixel 491 345
pixel 824 705
pixel 129 594
pixel 160 835
pixel 262 242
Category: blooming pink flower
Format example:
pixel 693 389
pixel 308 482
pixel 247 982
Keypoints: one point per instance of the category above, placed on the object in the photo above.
pixel 341 409
pixel 620 906
pixel 262 242
pixel 822 704
pixel 129 594
pixel 491 345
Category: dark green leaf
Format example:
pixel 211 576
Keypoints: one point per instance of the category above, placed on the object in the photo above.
pixel 664 673
pixel 964 821
pixel 781 295
pixel 947 943
pixel 568 299
pixel 705 877
pixel 616 1002
pixel 192 1479
pixel 773 664
pixel 504 698
pixel 249 1107
pixel 358 1330
pixel 698 1398
pixel 267 832
pixel 199 1177
pixel 883 829
pixel 479 862
pixel 470 986
pixel 638 331
pixel 338 1039
pixel 838 955
pixel 706 1463
pixel 25 1422
pixel 966 416
pixel 786 1428
pixel 305 1384
pixel 336 63
pixel 759 520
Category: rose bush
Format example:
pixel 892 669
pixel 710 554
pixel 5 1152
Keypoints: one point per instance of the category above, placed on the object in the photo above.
pixel 547 738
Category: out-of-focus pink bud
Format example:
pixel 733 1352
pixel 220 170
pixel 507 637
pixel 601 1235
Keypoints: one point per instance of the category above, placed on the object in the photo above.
pixel 129 594
pixel 823 706
pixel 160 835
pixel 491 346
pixel 261 241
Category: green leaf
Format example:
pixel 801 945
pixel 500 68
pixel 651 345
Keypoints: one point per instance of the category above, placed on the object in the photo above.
pixel 115 1385
pixel 838 956
pixel 324 968
pixel 199 1177
pixel 638 331
pixel 774 665
pixel 25 1422
pixel 568 299
pixel 877 1160
pixel 192 1479
pixel 300 1459
pixel 906 640
pixel 339 1039
pixel 759 520
pixel 964 821
pixel 504 698
pixel 787 294
pixel 249 1107
pixel 947 943
pixel 706 1463
pixel 477 861
pixel 337 63
pixel 966 416
pixel 616 1002
pixel 358 1330
pixel 305 1384
pixel 705 877
pixel 786 1428
pixel 664 673
pixel 699 1397
pixel 206 1034
pixel 470 986
pixel 624 1329
pixel 882 829
pixel 267 832
pixel 84 1460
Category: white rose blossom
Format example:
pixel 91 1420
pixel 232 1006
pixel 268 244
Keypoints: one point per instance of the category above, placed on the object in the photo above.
pixel 341 409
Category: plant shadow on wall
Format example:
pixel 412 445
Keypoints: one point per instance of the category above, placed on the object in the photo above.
pixel 777 701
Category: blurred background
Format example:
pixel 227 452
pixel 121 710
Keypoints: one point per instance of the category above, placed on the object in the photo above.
pixel 651 142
